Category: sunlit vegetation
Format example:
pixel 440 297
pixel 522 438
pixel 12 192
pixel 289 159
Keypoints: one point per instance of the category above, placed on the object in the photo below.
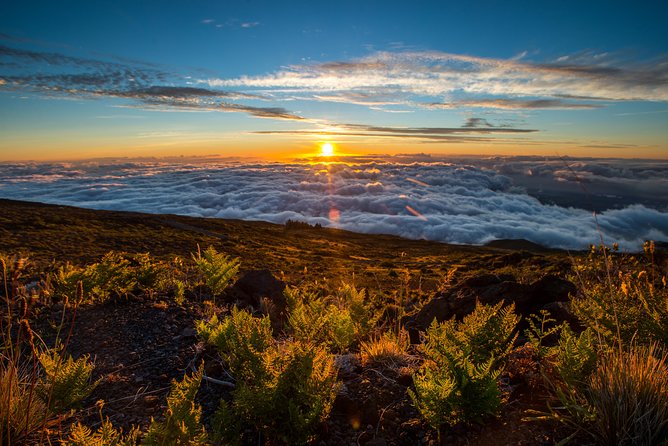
pixel 277 374
pixel 459 379
pixel 610 379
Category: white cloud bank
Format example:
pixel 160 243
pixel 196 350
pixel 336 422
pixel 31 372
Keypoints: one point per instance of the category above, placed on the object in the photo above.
pixel 449 202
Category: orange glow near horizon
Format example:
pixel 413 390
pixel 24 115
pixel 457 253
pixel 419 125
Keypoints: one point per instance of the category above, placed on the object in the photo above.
pixel 286 149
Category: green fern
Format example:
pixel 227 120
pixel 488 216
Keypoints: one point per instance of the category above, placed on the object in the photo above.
pixel 106 435
pixel 575 356
pixel 67 381
pixel 336 322
pixel 241 340
pixel 540 328
pixel 459 379
pixel 295 396
pixel 182 425
pixel 283 390
pixel 216 268
pixel 488 333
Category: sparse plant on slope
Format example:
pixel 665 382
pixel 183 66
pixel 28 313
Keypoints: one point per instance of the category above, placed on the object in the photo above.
pixel 541 328
pixel 458 381
pixel 182 425
pixel 116 274
pixel 216 268
pixel 575 356
pixel 356 303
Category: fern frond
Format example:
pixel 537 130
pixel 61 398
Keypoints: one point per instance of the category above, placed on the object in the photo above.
pixel 182 424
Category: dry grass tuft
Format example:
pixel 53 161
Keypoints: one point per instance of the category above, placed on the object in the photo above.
pixel 629 395
pixel 387 350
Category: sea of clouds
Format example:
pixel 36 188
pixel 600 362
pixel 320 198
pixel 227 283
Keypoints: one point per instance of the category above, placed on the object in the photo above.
pixel 470 201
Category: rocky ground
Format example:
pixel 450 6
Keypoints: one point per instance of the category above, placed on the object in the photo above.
pixel 139 346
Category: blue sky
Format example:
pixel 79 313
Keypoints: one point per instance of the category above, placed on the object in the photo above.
pixel 86 79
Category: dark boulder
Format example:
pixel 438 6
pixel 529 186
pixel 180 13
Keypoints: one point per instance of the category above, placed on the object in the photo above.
pixel 259 290
pixel 490 289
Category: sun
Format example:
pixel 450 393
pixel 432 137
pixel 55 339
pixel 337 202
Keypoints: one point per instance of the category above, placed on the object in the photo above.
pixel 327 149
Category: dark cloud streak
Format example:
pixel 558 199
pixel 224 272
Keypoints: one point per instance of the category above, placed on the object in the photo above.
pixel 150 88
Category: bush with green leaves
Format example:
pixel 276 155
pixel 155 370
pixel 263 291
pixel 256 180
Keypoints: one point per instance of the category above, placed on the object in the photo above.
pixel 283 390
pixel 459 379
pixel 542 327
pixel 612 376
pixel 182 424
pixel 67 381
pixel 334 321
pixel 623 298
pixel 217 269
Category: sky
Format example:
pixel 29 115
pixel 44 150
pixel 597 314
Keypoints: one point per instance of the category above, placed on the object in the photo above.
pixel 278 79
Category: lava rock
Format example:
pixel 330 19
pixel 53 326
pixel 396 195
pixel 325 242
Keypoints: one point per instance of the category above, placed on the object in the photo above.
pixel 489 289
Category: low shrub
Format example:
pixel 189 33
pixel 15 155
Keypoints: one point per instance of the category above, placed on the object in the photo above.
pixel 117 274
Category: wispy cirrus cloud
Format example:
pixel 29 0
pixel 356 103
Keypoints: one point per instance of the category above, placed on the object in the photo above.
pixel 231 23
pixel 469 80
pixel 517 104
pixel 53 74
pixel 395 82
pixel 471 131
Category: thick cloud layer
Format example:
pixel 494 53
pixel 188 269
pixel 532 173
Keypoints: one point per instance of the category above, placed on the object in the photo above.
pixel 465 201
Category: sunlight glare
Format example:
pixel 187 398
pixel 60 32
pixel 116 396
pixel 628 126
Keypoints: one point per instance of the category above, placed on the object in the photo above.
pixel 327 149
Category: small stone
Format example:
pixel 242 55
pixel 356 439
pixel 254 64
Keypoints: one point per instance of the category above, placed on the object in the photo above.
pixel 151 400
pixel 189 332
